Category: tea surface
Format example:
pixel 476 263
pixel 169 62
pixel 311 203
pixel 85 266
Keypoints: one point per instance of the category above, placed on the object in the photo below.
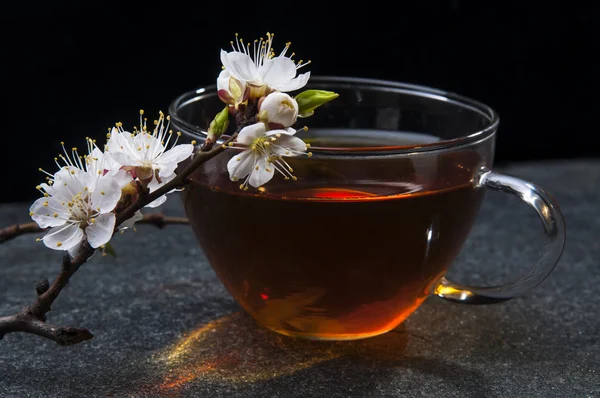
pixel 331 261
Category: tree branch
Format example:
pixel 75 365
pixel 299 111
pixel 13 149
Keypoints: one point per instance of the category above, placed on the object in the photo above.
pixel 28 324
pixel 159 220
pixel 32 319
pixel 177 182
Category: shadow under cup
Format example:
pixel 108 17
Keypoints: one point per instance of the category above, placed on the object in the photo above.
pixel 374 220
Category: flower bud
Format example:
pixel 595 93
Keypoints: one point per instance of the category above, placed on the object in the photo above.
pixel 219 124
pixel 230 90
pixel 309 100
pixel 278 108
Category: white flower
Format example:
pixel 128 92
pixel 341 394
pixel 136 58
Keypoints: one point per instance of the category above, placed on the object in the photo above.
pixel 79 200
pixel 279 108
pixel 264 155
pixel 137 216
pixel 146 153
pixel 261 69
pixel 231 90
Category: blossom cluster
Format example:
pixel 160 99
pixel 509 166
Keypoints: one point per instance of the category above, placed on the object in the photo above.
pixel 255 73
pixel 81 199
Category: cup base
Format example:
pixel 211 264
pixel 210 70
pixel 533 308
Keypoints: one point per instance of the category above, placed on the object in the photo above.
pixel 330 337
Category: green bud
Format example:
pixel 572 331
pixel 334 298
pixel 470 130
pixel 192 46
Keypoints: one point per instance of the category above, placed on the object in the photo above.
pixel 219 124
pixel 109 249
pixel 310 100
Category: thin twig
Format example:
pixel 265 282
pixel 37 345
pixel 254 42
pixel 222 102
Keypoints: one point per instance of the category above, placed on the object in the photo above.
pixel 32 319
pixel 177 182
pixel 157 219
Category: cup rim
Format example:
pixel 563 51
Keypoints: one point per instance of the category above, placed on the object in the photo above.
pixel 406 88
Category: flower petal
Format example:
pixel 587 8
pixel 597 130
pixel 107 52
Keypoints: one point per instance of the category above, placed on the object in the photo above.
pixel 225 97
pixel 153 186
pixel 223 80
pixel 288 142
pixel 249 133
pixel 124 160
pixel 73 250
pixel 176 154
pixel 72 179
pixel 106 195
pixel 293 84
pixel 166 170
pixel 118 141
pixel 121 177
pixel 157 202
pixel 240 165
pixel 64 237
pixel 44 216
pixel 239 65
pixel 286 131
pixel 120 148
pixel 104 162
pixel 262 173
pixel 129 223
pixel 101 230
pixel 57 191
pixel 278 70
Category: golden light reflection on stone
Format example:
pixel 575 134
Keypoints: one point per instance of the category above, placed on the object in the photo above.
pixel 235 349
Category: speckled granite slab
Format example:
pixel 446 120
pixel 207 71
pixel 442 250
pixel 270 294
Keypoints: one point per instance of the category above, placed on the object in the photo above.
pixel 165 326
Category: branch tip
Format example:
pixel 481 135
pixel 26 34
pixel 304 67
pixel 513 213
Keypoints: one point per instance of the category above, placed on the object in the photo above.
pixel 42 286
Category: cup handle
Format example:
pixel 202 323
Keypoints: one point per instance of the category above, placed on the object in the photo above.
pixel 554 228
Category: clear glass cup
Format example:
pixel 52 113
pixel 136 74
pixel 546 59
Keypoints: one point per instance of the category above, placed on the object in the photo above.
pixel 375 219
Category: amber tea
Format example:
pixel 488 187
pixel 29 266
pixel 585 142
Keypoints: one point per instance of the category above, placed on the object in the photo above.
pixel 332 261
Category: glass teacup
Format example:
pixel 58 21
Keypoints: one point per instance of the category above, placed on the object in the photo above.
pixel 375 218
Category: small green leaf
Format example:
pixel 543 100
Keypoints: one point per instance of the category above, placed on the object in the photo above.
pixel 310 100
pixel 219 124
pixel 109 249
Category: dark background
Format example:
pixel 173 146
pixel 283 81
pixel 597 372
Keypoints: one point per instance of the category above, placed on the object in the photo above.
pixel 72 69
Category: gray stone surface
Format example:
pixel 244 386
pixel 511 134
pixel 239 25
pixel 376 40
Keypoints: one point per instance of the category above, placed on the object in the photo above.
pixel 165 326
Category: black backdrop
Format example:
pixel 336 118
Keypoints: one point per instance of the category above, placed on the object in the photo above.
pixel 72 69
